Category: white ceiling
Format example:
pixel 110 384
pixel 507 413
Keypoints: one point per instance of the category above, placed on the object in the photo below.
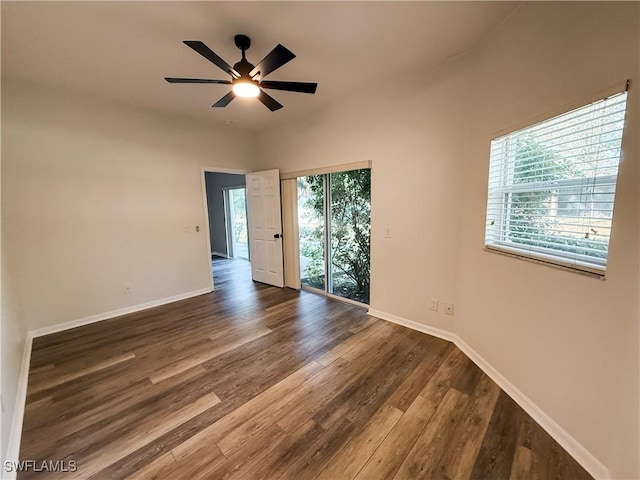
pixel 122 50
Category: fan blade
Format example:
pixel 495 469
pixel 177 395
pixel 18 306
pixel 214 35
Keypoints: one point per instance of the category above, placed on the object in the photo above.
pixel 207 53
pixel 195 80
pixel 274 60
pixel 301 87
pixel 224 101
pixel 268 101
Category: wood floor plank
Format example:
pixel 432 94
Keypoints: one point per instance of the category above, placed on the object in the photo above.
pixel 429 447
pixel 352 457
pixel 244 460
pixel 140 437
pixel 381 385
pixel 209 459
pixel 388 457
pixel 363 339
pixel 319 395
pixel 76 416
pixel 256 382
pixel 563 467
pixel 498 447
pixel 275 452
pixel 363 322
pixel 214 432
pixel 272 413
pixel 365 383
pixel 441 381
pixel 538 442
pixel 162 468
pixel 151 404
pixel 460 457
pixel 309 455
pixel 404 396
pixel 52 380
pixel 467 378
pixel 192 361
pixel 521 466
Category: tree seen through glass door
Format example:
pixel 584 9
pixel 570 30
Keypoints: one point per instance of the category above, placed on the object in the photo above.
pixel 340 202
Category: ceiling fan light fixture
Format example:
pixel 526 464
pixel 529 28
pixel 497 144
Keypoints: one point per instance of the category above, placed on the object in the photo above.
pixel 246 88
pixel 247 80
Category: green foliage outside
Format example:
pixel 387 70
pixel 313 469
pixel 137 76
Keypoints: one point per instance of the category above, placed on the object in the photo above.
pixel 529 210
pixel 350 233
pixel 530 219
pixel 312 230
pixel 240 216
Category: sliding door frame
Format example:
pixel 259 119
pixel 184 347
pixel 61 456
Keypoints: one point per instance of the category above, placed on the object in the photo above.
pixel 326 204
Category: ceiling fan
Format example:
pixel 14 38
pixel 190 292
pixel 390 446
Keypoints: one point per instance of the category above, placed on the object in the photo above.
pixel 247 80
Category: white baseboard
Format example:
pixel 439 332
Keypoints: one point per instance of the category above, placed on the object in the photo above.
pixel 421 327
pixel 590 463
pixel 116 313
pixel 15 435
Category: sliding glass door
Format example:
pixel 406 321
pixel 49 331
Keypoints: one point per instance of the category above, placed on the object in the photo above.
pixel 334 219
pixel 349 198
pixel 312 231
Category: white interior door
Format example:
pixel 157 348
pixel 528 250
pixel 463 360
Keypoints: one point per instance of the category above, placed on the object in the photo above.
pixel 265 227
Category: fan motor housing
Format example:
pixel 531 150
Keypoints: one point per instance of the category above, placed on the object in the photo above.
pixel 243 67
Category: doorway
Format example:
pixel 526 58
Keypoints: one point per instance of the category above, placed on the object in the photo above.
pixel 224 195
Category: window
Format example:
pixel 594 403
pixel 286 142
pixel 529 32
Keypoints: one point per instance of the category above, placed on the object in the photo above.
pixel 552 187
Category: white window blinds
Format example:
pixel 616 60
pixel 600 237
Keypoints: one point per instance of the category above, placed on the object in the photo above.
pixel 552 187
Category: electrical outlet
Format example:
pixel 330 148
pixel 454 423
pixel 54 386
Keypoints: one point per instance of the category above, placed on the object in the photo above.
pixel 128 288
pixel 448 308
pixel 434 304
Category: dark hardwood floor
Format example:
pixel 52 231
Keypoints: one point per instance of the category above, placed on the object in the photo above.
pixel 257 382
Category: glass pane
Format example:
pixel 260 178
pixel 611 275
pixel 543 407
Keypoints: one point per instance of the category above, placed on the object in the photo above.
pixel 311 228
pixel 350 197
pixel 567 222
pixel 240 238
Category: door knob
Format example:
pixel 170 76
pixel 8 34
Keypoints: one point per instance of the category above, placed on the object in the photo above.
pixel 277 235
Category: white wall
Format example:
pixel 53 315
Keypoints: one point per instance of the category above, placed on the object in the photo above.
pixel 413 142
pixel 568 342
pixel 12 335
pixel 96 195
pixel 13 344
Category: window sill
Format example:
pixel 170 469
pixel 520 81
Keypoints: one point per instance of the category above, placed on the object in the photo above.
pixel 548 263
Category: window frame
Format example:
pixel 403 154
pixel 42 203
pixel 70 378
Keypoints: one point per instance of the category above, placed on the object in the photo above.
pixel 501 212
